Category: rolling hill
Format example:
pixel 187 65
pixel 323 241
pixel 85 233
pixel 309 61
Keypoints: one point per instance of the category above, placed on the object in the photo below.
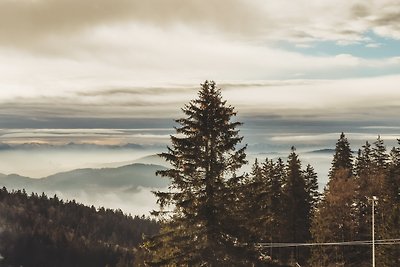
pixel 127 187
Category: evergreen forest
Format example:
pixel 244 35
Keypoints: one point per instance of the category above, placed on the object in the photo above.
pixel 37 231
pixel 214 215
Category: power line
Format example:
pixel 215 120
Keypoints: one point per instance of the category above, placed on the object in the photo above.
pixel 394 241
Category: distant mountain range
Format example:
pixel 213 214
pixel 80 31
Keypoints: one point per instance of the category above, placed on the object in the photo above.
pixel 323 151
pixel 129 177
pixel 127 187
pixel 149 160
pixel 327 151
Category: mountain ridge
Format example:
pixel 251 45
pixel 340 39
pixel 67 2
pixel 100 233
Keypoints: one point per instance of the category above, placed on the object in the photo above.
pixel 136 174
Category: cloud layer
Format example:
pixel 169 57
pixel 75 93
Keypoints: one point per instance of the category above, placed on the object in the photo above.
pixel 342 21
pixel 349 99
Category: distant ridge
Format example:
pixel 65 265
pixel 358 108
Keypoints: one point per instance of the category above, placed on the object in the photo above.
pixel 326 151
pixel 323 151
pixel 129 176
pixel 128 187
pixel 149 160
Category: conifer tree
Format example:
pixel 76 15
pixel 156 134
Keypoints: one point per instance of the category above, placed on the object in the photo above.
pixel 364 160
pixel 277 212
pixel 276 194
pixel 379 156
pixel 335 218
pixel 255 203
pixel 311 180
pixel 256 171
pixel 266 203
pixel 201 229
pixel 343 157
pixel 297 206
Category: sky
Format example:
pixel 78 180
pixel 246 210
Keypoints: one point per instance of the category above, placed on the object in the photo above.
pixel 298 72
pixel 112 73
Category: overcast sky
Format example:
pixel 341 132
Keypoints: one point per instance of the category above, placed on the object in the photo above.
pixel 131 64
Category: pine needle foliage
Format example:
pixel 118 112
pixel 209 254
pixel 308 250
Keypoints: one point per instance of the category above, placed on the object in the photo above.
pixel 200 222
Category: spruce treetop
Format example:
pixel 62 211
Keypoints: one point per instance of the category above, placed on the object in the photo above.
pixel 343 157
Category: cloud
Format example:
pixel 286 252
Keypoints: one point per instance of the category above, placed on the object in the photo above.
pixel 41 19
pixel 373 45
pixel 344 22
pixel 134 91
pixel 331 138
pixel 31 23
pixel 346 100
pixel 110 59
pixel 385 22
pixel 324 97
pixel 104 50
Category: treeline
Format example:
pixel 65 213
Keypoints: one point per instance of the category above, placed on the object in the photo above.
pixel 279 200
pixel 39 231
pixel 286 207
pixel 345 211
pixel 214 216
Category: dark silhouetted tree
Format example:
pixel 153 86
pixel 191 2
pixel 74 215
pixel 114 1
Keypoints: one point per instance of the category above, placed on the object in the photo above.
pixel 297 206
pixel 200 228
pixel 311 180
pixel 335 219
pixel 343 157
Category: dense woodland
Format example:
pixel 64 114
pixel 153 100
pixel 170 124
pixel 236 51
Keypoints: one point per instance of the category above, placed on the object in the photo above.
pixel 38 231
pixel 214 215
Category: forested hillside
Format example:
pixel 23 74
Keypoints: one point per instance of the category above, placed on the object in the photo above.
pixel 40 231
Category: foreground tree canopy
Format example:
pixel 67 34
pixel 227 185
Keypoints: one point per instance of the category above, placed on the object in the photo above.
pixel 214 216
pixel 202 229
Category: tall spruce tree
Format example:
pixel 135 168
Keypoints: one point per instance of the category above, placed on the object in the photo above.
pixel 379 155
pixel 343 157
pixel 264 197
pixel 311 180
pixel 201 228
pixel 363 163
pixel 254 203
pixel 276 209
pixel 335 218
pixel 297 206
